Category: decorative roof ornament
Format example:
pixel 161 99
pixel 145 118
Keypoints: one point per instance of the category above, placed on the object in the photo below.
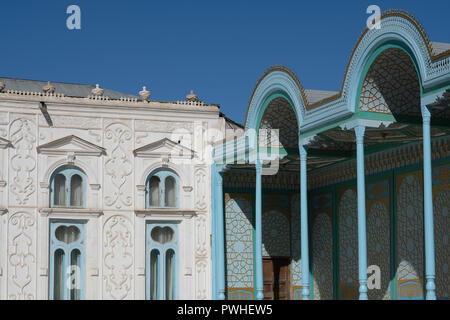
pixel 145 94
pixel 97 91
pixel 192 97
pixel 48 88
pixel 2 86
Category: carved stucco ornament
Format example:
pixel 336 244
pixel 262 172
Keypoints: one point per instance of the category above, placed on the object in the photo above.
pixel 192 96
pixel 2 86
pixel 97 91
pixel 48 88
pixel 71 158
pixel 145 94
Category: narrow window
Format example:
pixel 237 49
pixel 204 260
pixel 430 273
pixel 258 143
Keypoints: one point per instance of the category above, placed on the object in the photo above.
pixel 76 191
pixel 59 190
pixel 154 192
pixel 170 192
pixel 67 250
pixel 170 257
pixel 75 267
pixel 58 284
pixel 161 261
pixel 154 274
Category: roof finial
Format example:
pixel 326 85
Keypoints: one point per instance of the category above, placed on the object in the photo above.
pixel 145 94
pixel 192 96
pixel 48 88
pixel 97 91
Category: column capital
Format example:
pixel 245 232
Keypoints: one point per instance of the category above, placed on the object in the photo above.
pixel 359 132
pixel 219 167
pixel 303 150
pixel 258 165
pixel 426 114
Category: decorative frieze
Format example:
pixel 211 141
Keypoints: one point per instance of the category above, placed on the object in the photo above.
pixel 23 161
pixel 118 258
pixel 378 162
pixel 21 256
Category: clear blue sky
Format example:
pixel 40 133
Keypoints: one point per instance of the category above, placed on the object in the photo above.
pixel 217 48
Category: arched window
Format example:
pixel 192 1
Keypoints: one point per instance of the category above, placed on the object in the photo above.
pixel 162 242
pixel 170 194
pixel 154 192
pixel 162 189
pixel 68 188
pixel 59 190
pixel 67 260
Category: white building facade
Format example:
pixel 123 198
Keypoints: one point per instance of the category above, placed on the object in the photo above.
pixel 104 195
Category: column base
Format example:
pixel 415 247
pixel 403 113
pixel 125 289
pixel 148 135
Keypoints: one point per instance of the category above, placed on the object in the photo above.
pixel 221 295
pixel 259 294
pixel 305 293
pixel 430 289
pixel 363 291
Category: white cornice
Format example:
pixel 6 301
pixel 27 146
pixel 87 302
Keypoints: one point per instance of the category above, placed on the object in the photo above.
pixel 125 103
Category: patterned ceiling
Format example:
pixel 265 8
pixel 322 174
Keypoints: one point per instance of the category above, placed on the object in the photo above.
pixel 391 85
pixel 279 115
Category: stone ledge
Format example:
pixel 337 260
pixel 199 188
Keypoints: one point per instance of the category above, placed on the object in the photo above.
pixel 70 211
pixel 160 212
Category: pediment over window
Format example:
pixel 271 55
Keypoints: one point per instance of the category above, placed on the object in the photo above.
pixel 4 143
pixel 71 145
pixel 164 148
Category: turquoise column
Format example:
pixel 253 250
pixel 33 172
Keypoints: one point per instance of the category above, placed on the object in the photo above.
pixel 213 230
pixel 362 238
pixel 304 222
pixel 428 207
pixel 220 249
pixel 258 233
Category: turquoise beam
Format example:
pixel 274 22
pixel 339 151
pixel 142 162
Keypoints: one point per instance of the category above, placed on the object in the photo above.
pixel 362 237
pixel 258 233
pixel 220 235
pixel 304 222
pixel 428 207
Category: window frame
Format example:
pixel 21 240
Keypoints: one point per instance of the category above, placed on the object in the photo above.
pixel 68 172
pixel 55 245
pixel 162 174
pixel 162 249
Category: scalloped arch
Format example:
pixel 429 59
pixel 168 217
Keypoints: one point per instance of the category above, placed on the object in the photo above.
pixel 277 79
pixel 397 26
pixel 396 29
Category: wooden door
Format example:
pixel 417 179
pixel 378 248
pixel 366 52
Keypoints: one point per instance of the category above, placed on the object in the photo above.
pixel 276 278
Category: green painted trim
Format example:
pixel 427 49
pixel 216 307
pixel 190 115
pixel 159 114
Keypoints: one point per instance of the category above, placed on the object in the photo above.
pixel 333 125
pixel 367 115
pixel 430 91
